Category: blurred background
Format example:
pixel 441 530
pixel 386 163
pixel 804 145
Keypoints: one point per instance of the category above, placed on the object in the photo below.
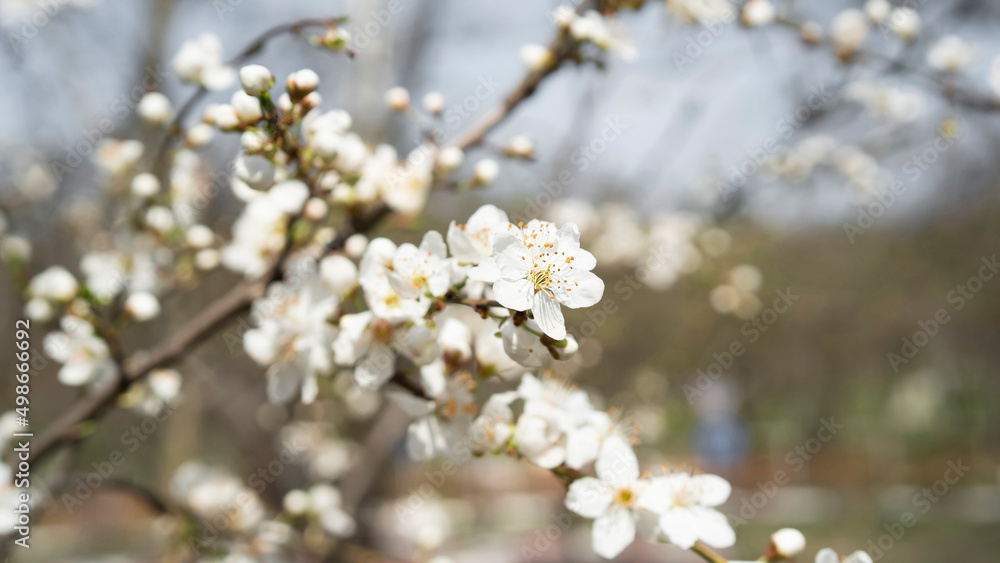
pixel 753 162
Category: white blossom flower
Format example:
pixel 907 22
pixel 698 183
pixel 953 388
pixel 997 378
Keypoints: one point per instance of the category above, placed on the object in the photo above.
pixel 494 427
pixel 539 268
pixel 339 274
pixel 878 10
pixel 85 356
pixel 200 61
pixel 441 422
pixel 686 505
pixel 491 357
pixel 471 242
pixel 256 171
pixel 536 57
pixel 326 504
pixel 552 410
pixel 293 338
pixel 433 102
pixel 247 107
pixel 615 499
pixel 301 83
pixel 418 271
pixel 701 10
pixel 145 185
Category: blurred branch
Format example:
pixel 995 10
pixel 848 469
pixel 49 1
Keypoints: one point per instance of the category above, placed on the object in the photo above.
pixel 707 554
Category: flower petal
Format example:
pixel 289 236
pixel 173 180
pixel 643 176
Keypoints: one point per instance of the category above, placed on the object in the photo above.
pixel 514 294
pixel 613 532
pixel 617 464
pixel 584 289
pixel 713 527
pixel 589 497
pixel 548 314
pixel 487 271
pixel 679 527
pixel 714 489
pixel 511 256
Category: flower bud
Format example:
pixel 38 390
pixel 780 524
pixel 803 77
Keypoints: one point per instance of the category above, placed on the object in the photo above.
pixel 226 118
pixel 536 57
pixel 256 79
pixel 339 274
pixel 434 103
pixel 54 284
pixel 520 147
pixel 142 306
pixel 254 171
pixel 301 83
pixel 154 108
pixel 485 172
pixel 199 236
pixel 39 310
pixel 311 102
pixel 159 218
pixel 199 135
pixel 315 209
pixel 207 259
pixel 145 185
pixel 247 107
pixel 15 248
pixel 397 98
pixel 758 13
pixel 450 158
pixel 788 542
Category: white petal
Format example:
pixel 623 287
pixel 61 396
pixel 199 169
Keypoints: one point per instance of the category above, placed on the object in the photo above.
pixel 617 463
pixel 548 315
pixel 514 294
pixel 589 497
pixel 461 247
pixel 511 256
pixel 376 368
pixel 433 243
pixel 584 289
pixel 679 527
pixel 76 373
pixel 487 271
pixel 714 489
pixel 713 527
pixel 613 532
pixel 582 447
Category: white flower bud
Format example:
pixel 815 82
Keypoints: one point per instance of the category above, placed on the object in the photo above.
pixel 849 30
pixel 397 98
pixel 256 79
pixel 434 102
pixel 355 245
pixel 520 147
pixel 165 383
pixel 315 209
pixel 950 53
pixel 296 502
pixel 38 309
pixel 253 141
pixel 564 16
pixel 142 306
pixel 160 219
pixel 326 144
pixel 226 118
pixel 536 57
pixel 145 185
pixel 199 135
pixel 788 542
pixel 450 158
pixel 905 22
pixel 311 101
pixel 301 83
pixel 758 12
pixel 15 248
pixel 255 171
pixel 199 236
pixel 877 10
pixel 485 172
pixel 247 107
pixel 207 259
pixel 208 115
pixel 339 274
pixel 285 102
pixel 154 108
pixel 54 284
